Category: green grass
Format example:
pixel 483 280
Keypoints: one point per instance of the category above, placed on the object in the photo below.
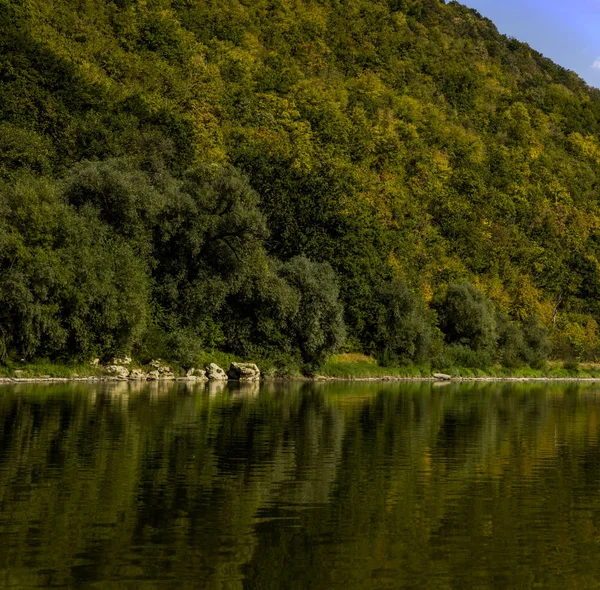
pixel 46 368
pixel 344 366
pixel 341 368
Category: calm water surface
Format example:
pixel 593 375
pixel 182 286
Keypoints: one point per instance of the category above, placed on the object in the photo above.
pixel 300 485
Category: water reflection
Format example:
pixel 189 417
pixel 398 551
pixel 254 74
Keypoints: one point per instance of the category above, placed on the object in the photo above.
pixel 301 485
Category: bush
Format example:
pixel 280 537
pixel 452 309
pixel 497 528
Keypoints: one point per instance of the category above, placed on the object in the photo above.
pixel 317 330
pixel 258 316
pixel 69 287
pixel 512 348
pixel 467 318
pixel 538 344
pixel 575 336
pixel 459 355
pixel 403 331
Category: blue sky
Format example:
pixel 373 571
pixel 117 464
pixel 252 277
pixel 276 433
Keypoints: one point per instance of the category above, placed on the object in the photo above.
pixel 566 31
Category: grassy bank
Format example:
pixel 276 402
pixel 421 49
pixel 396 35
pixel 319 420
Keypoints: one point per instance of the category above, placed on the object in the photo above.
pixel 49 369
pixel 44 368
pixel 355 366
pixel 342 366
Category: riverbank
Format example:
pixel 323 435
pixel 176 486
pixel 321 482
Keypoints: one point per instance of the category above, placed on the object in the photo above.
pixel 361 373
pixel 342 367
pixel 317 379
pixel 361 367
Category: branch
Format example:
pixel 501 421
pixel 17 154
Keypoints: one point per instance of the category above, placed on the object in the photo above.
pixel 555 311
pixel 231 248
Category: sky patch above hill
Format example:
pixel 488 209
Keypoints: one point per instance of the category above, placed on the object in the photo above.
pixel 566 32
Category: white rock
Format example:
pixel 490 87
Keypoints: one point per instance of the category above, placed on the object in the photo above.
pixel 118 371
pixel 244 372
pixel 199 374
pixel 162 368
pixel 215 373
pixel 442 377
pixel 126 360
pixel 137 375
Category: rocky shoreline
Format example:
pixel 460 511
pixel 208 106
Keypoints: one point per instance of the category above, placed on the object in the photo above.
pixel 458 379
pixel 317 379
pixel 120 370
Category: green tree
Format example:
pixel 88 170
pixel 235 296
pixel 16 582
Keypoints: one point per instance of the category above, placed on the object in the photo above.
pixel 403 331
pixel 467 317
pixel 69 286
pixel 318 329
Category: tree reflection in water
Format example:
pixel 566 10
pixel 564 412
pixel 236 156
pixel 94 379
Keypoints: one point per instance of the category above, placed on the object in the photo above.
pixel 300 485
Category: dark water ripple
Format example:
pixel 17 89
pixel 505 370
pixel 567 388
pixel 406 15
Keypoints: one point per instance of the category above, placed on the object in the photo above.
pixel 366 486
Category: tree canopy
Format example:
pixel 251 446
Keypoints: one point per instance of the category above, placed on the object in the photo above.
pixel 177 171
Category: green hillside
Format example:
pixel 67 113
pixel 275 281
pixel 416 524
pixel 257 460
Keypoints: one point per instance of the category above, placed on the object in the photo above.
pixel 285 179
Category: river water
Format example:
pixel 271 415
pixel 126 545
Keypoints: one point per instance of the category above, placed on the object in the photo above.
pixel 300 485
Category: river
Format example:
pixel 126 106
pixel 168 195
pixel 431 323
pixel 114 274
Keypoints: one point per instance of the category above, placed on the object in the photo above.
pixel 300 485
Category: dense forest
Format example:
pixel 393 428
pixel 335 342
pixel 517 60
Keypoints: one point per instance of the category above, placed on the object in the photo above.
pixel 285 179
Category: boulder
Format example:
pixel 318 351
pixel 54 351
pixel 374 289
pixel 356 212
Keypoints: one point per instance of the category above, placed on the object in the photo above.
pixel 153 375
pixel 159 366
pixel 164 371
pixel 244 372
pixel 198 374
pixel 118 371
pixel 442 377
pixel 137 375
pixel 126 360
pixel 215 373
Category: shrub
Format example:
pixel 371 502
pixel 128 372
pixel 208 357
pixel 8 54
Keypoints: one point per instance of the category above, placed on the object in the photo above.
pixel 459 355
pixel 512 348
pixel 403 327
pixel 317 330
pixel 467 317
pixel 69 286
pixel 538 344
pixel 259 314
pixel 575 336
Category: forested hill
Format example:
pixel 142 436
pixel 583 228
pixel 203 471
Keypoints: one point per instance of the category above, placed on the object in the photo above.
pixel 282 178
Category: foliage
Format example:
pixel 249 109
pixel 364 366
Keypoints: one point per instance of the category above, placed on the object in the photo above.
pixel 467 318
pixel 403 330
pixel 70 287
pixel 575 338
pixel 176 159
pixel 317 329
pixel 525 344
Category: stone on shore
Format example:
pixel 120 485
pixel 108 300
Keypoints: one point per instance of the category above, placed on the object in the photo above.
pixel 442 377
pixel 215 373
pixel 244 372
pixel 118 371
pixel 164 371
pixel 126 360
pixel 137 375
pixel 197 374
